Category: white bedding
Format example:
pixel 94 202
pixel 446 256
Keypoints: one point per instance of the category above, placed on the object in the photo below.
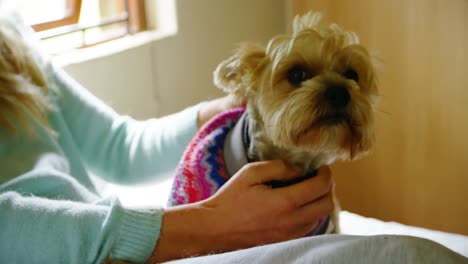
pixel 353 224
pixel 350 223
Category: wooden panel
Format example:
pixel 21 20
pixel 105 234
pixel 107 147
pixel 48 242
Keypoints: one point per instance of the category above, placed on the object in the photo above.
pixel 418 172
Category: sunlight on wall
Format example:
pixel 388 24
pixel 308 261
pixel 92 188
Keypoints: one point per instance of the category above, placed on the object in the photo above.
pixel 35 12
pixel 162 15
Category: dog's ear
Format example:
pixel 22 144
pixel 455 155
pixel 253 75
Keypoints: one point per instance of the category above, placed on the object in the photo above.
pixel 236 74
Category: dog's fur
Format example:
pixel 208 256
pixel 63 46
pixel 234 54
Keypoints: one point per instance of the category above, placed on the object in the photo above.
pixel 298 122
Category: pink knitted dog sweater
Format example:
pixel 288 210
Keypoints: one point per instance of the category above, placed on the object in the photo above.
pixel 202 171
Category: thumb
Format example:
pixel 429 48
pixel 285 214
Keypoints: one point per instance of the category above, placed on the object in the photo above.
pixel 266 171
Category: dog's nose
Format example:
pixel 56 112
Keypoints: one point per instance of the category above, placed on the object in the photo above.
pixel 337 96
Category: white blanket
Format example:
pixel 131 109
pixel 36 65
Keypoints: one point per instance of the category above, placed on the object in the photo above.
pixel 332 249
pixel 353 224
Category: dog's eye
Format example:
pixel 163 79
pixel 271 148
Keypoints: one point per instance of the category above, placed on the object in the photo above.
pixel 351 74
pixel 298 74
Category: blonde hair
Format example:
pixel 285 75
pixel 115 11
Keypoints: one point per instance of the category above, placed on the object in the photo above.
pixel 23 86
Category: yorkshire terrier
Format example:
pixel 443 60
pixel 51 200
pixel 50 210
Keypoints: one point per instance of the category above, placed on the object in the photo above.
pixel 310 101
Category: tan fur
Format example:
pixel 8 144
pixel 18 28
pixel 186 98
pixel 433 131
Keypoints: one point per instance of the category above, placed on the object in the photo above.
pixel 285 120
pixel 23 88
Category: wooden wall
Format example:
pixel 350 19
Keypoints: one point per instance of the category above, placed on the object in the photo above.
pixel 418 172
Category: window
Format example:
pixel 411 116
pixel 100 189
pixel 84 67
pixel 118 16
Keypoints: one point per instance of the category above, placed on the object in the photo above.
pixel 67 24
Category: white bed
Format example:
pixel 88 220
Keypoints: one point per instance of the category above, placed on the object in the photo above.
pixel 350 223
pixel 353 224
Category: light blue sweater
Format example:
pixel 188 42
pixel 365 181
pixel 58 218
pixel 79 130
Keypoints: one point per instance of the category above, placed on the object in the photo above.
pixel 50 211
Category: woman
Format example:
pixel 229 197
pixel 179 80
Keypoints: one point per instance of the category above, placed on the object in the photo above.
pixel 53 132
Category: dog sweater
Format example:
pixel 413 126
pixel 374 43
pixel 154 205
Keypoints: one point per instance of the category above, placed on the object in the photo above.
pixel 213 156
pixel 202 170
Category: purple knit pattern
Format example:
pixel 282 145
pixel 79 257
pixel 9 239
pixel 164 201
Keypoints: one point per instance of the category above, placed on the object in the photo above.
pixel 201 171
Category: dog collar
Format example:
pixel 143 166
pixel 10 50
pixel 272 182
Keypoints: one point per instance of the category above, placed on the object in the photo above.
pixel 235 154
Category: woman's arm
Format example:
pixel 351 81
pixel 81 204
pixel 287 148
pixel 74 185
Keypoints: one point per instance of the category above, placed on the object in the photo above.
pixel 119 148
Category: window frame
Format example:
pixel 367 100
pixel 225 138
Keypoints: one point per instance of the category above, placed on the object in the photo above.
pixel 133 13
pixel 137 15
pixel 72 18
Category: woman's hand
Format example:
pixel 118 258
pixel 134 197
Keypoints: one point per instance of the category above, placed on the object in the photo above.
pixel 245 212
pixel 211 108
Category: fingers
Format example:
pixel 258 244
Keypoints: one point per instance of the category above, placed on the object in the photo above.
pixel 302 193
pixel 305 219
pixel 294 195
pixel 211 108
pixel 318 209
pixel 235 101
pixel 266 171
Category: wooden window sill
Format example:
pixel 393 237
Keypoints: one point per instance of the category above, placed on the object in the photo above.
pixel 110 47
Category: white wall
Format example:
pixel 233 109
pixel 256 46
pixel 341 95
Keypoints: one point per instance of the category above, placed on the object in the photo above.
pixel 169 74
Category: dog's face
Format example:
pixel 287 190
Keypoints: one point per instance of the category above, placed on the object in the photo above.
pixel 314 90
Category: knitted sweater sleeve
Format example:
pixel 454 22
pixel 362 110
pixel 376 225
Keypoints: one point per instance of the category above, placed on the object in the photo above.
pixel 119 148
pixel 48 213
pixel 40 230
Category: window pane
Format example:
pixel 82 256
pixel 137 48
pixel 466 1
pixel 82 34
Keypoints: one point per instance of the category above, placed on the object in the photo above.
pixel 93 11
pixel 37 12
pixel 68 24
